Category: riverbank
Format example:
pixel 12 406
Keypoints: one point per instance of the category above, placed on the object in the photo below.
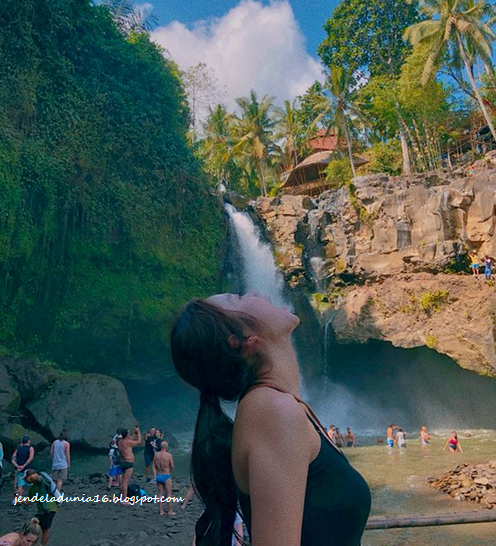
pixel 108 523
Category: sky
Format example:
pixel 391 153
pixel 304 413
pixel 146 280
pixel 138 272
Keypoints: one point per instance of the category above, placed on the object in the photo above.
pixel 268 46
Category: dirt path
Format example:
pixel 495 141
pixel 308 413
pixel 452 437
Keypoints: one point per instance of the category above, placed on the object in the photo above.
pixel 108 524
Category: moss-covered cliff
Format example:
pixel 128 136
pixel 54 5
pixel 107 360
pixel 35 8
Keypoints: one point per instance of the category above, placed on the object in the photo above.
pixel 106 223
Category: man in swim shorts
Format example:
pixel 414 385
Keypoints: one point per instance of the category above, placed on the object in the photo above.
pixel 389 435
pixel 163 465
pixel 126 444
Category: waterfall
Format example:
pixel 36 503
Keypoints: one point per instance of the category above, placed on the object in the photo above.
pixel 258 269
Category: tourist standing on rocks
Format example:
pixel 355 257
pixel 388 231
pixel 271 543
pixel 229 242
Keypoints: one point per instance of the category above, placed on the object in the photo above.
pixel 27 536
pixel 46 508
pixel 474 264
pixel 400 438
pixel 149 451
pixel 425 437
pixel 294 489
pixel 488 267
pixel 159 434
pixel 126 444
pixel 349 438
pixel 453 443
pixel 389 435
pixel 163 465
pixel 115 470
pixel 60 452
pixel 21 459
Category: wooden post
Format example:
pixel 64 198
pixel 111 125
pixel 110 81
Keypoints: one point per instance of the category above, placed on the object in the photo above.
pixel 398 522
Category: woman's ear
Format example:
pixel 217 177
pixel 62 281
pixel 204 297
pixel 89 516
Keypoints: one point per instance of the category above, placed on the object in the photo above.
pixel 250 345
pixel 234 342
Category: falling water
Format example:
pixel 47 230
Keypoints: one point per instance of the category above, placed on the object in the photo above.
pixel 259 271
pixel 326 355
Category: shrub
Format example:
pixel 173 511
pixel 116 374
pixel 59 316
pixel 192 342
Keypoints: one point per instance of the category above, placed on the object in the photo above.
pixel 433 301
pixel 385 157
pixel 338 173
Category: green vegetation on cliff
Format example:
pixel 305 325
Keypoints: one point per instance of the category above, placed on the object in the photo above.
pixel 106 224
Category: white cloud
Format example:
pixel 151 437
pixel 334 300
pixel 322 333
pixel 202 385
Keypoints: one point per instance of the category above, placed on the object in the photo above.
pixel 251 47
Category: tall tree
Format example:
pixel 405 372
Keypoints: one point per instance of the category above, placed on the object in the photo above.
pixel 216 145
pixel 463 25
pixel 365 36
pixel 342 104
pixel 203 94
pixel 254 133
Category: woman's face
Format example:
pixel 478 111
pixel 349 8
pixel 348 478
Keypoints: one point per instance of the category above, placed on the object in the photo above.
pixel 277 320
pixel 27 540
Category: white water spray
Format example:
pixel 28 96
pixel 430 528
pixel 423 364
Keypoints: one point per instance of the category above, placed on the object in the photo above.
pixel 259 269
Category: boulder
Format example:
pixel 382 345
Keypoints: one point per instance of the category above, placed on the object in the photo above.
pixel 89 407
pixel 11 434
pixel 30 377
pixel 10 399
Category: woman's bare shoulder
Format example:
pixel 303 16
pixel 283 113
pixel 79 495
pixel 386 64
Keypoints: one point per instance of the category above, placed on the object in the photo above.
pixel 265 408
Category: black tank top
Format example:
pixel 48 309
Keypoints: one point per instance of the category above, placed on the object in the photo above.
pixel 337 498
pixel 22 454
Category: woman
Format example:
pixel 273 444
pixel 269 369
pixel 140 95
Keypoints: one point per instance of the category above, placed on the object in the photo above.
pixel 400 438
pixel 425 437
pixel 294 489
pixel 27 536
pixel 453 443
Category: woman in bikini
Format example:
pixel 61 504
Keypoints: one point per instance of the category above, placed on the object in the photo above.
pixel 453 443
pixel 27 536
pixel 293 489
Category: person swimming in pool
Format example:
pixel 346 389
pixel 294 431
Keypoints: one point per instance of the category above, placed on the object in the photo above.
pixel 163 465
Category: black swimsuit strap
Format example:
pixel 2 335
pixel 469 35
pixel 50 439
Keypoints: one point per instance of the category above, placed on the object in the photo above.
pixel 309 411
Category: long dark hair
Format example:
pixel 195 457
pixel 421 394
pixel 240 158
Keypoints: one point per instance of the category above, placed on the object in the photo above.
pixel 206 344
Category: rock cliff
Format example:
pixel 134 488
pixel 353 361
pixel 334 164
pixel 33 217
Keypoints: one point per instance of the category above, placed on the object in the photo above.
pixel 388 258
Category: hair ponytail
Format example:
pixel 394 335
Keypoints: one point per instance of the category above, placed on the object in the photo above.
pixel 204 357
pixel 212 473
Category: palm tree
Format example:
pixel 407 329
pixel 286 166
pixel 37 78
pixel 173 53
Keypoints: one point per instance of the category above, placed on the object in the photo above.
pixel 130 17
pixel 342 105
pixel 463 24
pixel 253 133
pixel 217 143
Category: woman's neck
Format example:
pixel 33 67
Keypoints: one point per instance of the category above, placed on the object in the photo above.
pixel 282 367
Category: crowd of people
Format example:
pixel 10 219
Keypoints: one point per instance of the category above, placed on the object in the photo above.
pixel 159 465
pixel 399 439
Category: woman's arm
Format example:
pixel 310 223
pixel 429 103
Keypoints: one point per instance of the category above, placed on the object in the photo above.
pixel 278 468
pixel 460 446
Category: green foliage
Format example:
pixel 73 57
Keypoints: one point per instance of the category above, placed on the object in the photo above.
pixel 338 173
pixel 431 341
pixel 433 301
pixel 366 36
pixel 106 227
pixel 385 157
